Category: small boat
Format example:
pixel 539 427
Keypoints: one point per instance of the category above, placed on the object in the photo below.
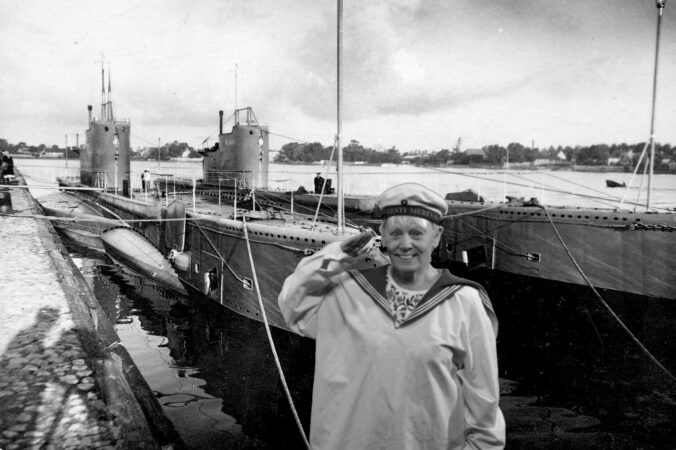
pixel 127 246
pixel 613 184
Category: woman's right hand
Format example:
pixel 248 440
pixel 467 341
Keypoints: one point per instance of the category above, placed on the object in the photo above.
pixel 356 244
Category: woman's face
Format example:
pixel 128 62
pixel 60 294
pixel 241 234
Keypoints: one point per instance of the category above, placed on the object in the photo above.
pixel 409 242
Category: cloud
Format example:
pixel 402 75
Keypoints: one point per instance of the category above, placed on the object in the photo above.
pixel 458 61
pixel 387 65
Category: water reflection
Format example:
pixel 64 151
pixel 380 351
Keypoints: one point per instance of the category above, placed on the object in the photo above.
pixel 564 347
pixel 211 370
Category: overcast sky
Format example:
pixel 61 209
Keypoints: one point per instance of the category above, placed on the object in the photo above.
pixel 417 74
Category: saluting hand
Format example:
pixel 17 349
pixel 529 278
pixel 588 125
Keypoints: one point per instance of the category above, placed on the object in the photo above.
pixel 356 244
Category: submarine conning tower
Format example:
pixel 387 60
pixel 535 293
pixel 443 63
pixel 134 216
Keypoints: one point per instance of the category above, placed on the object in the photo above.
pixel 104 162
pixel 242 154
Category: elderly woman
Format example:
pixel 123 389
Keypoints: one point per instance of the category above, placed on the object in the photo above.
pixel 405 354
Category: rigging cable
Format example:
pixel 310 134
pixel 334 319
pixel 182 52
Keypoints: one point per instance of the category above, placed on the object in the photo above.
pixel 640 188
pixel 326 176
pixel 286 137
pixel 272 343
pixel 603 302
pixel 506 248
pixel 241 280
pixel 631 180
pixel 609 197
pixel 590 197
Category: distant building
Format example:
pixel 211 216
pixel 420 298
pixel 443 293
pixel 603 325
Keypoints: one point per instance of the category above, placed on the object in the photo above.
pixel 51 155
pixel 544 162
pixel 627 158
pixel 475 155
pixel 670 163
pixel 475 152
pixel 408 159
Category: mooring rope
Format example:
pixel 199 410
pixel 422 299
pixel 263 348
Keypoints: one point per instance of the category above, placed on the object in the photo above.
pixel 272 343
pixel 603 302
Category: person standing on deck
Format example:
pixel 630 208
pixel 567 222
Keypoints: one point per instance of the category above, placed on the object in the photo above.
pixel 10 163
pixel 405 353
pixel 319 183
pixel 4 165
pixel 145 180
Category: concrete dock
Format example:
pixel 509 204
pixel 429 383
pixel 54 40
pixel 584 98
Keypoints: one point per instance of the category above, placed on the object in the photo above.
pixel 65 382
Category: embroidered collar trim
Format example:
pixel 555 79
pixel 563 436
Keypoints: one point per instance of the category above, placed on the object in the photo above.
pixel 373 282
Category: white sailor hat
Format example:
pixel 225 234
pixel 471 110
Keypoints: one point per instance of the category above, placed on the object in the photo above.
pixel 411 199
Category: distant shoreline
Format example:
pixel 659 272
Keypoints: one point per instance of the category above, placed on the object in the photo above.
pixel 515 167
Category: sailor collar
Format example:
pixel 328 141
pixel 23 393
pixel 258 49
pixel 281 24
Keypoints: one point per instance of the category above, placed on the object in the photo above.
pixel 373 282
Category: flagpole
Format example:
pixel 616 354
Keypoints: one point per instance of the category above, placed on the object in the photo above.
pixel 339 148
pixel 660 6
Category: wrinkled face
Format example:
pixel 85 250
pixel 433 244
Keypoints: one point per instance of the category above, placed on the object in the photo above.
pixel 409 242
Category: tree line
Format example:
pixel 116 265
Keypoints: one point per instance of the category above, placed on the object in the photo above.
pixel 597 154
pixel 495 155
pixel 167 151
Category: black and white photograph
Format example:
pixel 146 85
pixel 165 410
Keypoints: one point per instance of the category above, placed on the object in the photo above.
pixel 338 225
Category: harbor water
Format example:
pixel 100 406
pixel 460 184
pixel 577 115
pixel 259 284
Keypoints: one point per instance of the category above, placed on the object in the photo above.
pixel 550 187
pixel 211 370
pixel 214 374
